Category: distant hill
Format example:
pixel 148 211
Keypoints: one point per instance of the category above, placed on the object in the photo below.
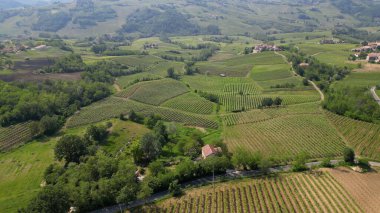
pixel 7 4
pixel 81 18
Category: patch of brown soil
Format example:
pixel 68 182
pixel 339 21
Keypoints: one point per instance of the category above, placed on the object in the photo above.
pixel 364 188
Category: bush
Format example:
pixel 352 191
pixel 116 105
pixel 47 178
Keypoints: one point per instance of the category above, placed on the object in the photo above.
pixel 326 163
pixel 349 155
pixel 175 189
pixel 299 165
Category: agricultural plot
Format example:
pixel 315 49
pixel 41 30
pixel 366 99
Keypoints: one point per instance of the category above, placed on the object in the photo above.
pixel 286 136
pixel 266 114
pixel 362 136
pixel 218 84
pixel 126 81
pixel 157 92
pixel 14 135
pixel 364 188
pixel 271 84
pixel 285 193
pixel 190 102
pixel 271 72
pixel 236 102
pixel 113 107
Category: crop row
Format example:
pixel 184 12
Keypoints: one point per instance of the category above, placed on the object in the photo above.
pixel 155 92
pixel 363 136
pixel 236 102
pixel 285 137
pixel 190 102
pixel 286 193
pixel 243 88
pixel 113 107
pixel 254 116
pixel 14 135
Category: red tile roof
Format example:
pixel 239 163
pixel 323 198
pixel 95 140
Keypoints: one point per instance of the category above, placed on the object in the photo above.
pixel 209 150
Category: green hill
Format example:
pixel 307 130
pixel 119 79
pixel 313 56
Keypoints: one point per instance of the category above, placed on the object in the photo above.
pixel 256 18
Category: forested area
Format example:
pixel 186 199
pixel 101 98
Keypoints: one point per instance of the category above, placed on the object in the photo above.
pixel 30 101
pixel 150 22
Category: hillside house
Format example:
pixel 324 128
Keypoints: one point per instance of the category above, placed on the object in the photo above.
pixel 327 41
pixel 374 46
pixel 265 47
pixel 373 57
pixel 210 150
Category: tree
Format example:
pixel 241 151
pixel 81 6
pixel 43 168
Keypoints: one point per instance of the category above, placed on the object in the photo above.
pixel 152 120
pixel 96 133
pixel 267 102
pixel 156 167
pixel 50 199
pixel 70 148
pixel 305 82
pixel 277 101
pixel 150 146
pixel 299 164
pixel 175 189
pixel 50 124
pixel 171 73
pixel 265 165
pixel 133 116
pixel 349 155
pixel 161 132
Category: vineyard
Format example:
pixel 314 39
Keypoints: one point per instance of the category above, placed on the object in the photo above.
pixel 190 102
pixel 271 72
pixel 285 193
pixel 157 92
pixel 364 137
pixel 286 136
pixel 113 107
pixel 237 102
pixel 254 116
pixel 14 135
pixel 218 84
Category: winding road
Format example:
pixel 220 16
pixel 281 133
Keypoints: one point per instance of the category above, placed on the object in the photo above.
pixel 294 72
pixel 230 175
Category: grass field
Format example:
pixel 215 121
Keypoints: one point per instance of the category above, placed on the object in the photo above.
pixel 271 72
pixel 284 193
pixel 285 136
pixel 21 173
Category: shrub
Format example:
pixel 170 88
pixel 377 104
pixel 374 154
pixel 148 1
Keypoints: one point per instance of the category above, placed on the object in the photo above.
pixel 349 155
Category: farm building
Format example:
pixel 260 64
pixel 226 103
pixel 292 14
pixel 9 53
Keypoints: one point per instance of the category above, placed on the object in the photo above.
pixel 210 150
pixel 373 57
pixel 265 47
pixel 368 48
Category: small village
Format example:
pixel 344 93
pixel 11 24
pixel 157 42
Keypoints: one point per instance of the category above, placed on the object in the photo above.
pixel 368 51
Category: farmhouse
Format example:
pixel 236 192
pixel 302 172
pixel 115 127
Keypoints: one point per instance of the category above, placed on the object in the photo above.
pixel 210 150
pixel 373 57
pixel 265 47
pixel 374 46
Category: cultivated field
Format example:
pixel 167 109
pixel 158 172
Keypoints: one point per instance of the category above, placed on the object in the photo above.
pixel 285 193
pixel 364 188
pixel 14 135
pixel 363 136
pixel 190 102
pixel 286 136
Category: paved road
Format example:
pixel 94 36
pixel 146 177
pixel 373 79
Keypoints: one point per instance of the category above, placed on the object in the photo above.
pixel 231 174
pixel 375 96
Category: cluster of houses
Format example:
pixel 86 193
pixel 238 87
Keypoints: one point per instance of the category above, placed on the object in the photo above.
pixel 266 47
pixel 150 46
pixel 370 47
pixel 330 41
pixel 372 51
pixel 19 48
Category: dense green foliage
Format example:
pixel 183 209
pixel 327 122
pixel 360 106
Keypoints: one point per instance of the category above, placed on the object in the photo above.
pixel 150 22
pixel 67 64
pixel 51 22
pixel 353 102
pixel 28 101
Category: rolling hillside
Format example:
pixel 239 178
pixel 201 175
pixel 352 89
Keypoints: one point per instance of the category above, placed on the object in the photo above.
pixel 255 18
